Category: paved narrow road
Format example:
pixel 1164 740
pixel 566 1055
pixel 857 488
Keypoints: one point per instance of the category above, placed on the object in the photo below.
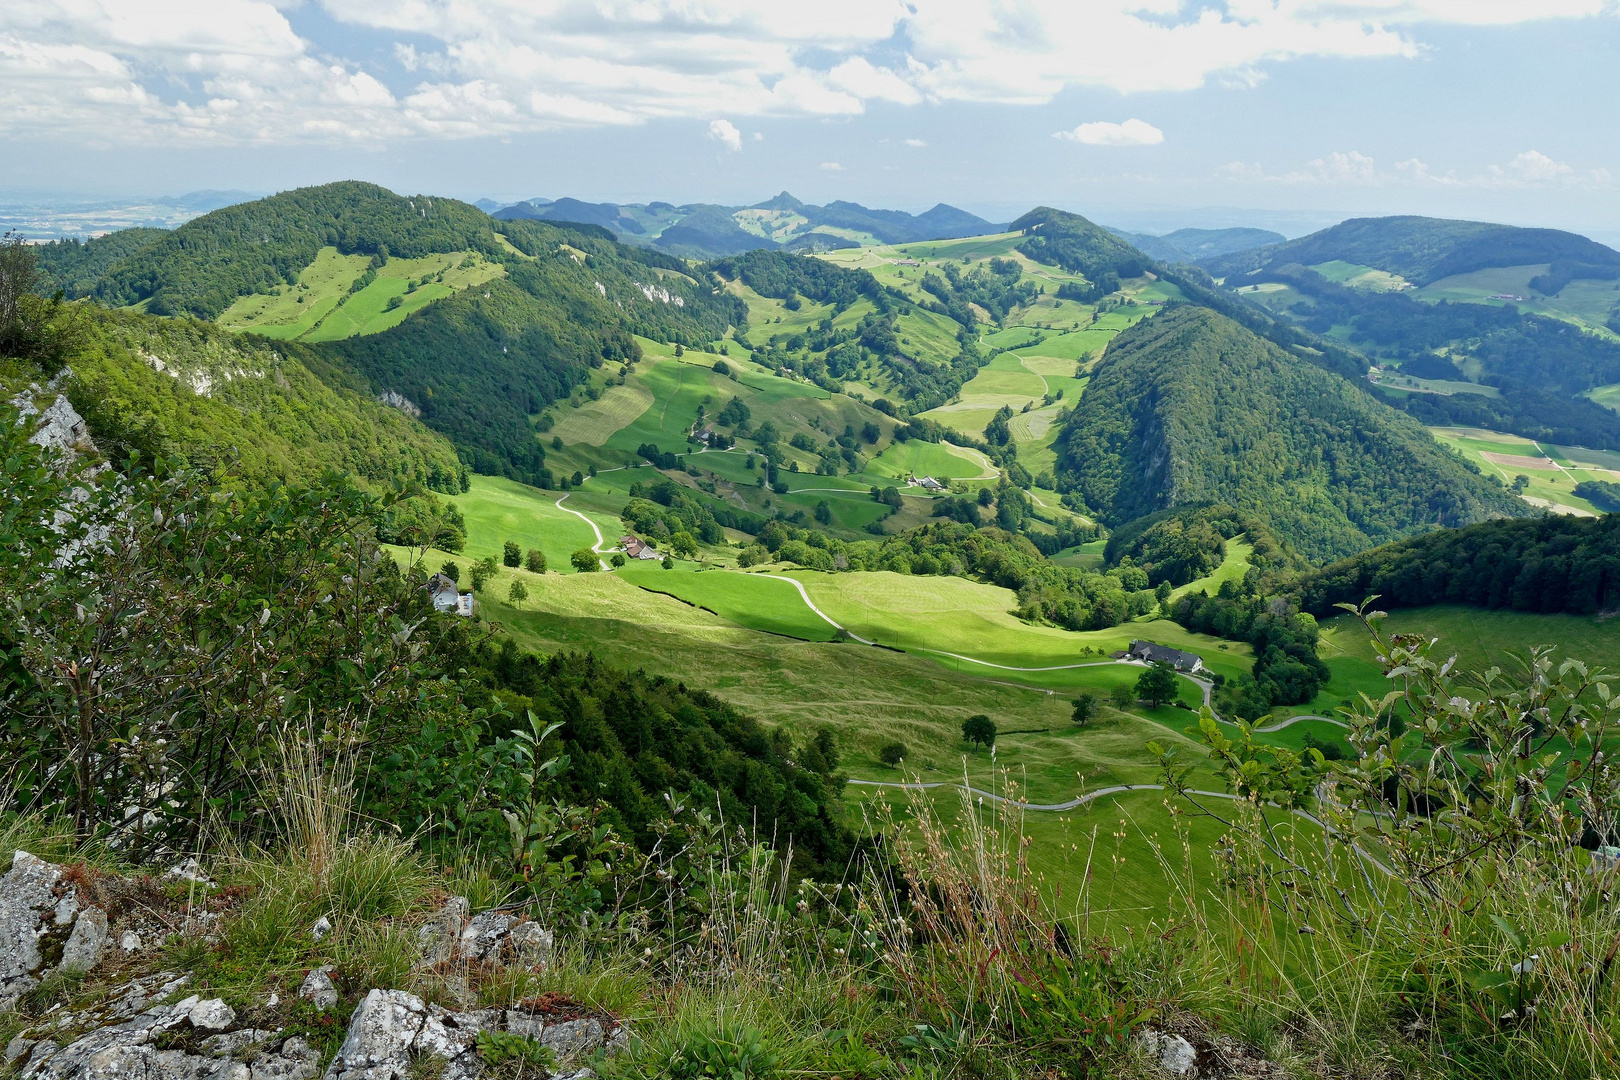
pixel 600 543
pixel 811 604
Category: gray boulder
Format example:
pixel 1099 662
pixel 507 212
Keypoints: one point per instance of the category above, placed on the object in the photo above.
pixel 318 988
pixel 88 941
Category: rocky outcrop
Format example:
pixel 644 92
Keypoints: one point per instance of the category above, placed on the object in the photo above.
pixel 40 929
pixel 391 1027
pixel 192 1039
pixel 138 1031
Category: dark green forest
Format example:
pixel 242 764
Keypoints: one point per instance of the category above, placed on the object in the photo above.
pixel 1190 407
pixel 1549 563
pixel 1539 364
pixel 1070 241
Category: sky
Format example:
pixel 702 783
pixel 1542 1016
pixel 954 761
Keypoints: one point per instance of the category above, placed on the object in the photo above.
pixel 1147 114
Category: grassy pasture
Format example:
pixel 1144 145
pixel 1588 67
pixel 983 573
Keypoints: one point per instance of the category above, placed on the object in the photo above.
pixel 497 510
pixel 1361 277
pixel 1588 303
pixel 1549 487
pixel 1481 636
pixel 939 460
pixel 757 601
pixel 321 307
pixel 594 422
pixel 1607 396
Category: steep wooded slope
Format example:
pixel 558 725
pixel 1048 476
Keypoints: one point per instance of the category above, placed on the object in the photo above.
pixel 203 397
pixel 1191 407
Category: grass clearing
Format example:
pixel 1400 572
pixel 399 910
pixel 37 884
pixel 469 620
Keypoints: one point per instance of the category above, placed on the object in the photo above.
pixel 1507 456
pixel 1607 396
pixel 757 601
pixel 594 422
pixel 939 460
pixel 321 306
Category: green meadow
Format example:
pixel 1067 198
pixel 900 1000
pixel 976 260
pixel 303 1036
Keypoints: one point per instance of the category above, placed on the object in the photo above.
pixel 1607 396
pixel 322 307
pixel 1551 475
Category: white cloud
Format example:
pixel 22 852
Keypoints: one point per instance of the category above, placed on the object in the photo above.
pixel 1132 132
pixel 727 133
pixel 916 144
pixel 831 166
pixel 176 71
pixel 1534 167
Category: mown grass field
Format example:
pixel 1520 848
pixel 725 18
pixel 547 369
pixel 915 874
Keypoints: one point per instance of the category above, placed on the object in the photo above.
pixel 1607 396
pixel 1550 485
pixel 321 306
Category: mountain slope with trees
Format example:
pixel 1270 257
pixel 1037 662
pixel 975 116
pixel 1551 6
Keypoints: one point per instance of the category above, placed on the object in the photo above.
pixel 1422 249
pixel 1190 407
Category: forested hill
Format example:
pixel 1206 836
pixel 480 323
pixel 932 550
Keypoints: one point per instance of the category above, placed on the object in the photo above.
pixel 1547 564
pixel 1422 250
pixel 206 399
pixel 1190 407
pixel 1072 242
pixel 205 264
pixel 476 330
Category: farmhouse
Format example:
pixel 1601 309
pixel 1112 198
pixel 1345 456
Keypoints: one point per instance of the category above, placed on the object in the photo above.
pixel 1185 662
pixel 447 598
pixel 634 547
pixel 928 483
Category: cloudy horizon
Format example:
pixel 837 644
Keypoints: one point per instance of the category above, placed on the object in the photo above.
pixel 1129 111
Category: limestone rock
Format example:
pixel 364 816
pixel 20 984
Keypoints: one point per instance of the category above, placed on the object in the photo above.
pixel 130 942
pixel 322 927
pixel 532 944
pixel 211 1015
pixel 60 427
pixel 1173 1053
pixel 133 1048
pixel 318 988
pixel 484 935
pixel 389 1027
pixel 29 911
pixel 439 936
pixel 87 942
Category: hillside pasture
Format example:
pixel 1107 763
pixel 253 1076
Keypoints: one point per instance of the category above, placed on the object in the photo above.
pixel 1551 485
pixel 1607 396
pixel 594 422
pixel 939 460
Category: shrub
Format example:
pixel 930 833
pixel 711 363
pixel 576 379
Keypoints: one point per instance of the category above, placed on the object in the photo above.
pixel 892 754
pixel 512 554
pixel 585 561
pixel 1121 697
pixel 618 559
pixel 535 561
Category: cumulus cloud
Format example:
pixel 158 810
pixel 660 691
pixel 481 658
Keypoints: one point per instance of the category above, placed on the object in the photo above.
pixel 915 144
pixel 1132 132
pixel 169 71
pixel 727 133
pixel 1534 167
pixel 831 166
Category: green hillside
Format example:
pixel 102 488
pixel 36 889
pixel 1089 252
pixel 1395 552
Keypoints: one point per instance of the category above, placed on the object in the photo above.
pixel 1424 250
pixel 1189 407
pixel 417 299
pixel 207 399
pixel 1075 244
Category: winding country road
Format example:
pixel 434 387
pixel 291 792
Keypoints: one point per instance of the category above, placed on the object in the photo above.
pixel 600 543
pixel 811 604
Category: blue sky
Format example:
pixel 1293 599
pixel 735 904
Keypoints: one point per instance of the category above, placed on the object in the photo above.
pixel 1145 113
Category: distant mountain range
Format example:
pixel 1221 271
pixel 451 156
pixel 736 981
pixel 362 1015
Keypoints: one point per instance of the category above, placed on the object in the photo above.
pixel 1193 245
pixel 707 230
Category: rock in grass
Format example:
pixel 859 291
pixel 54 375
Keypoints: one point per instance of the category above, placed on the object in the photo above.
pixel 211 1015
pixel 318 988
pixel 322 927
pixel 87 942
pixel 1174 1054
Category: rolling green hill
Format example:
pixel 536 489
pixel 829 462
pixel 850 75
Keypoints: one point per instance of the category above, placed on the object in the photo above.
pixel 418 299
pixel 1423 250
pixel 1190 407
